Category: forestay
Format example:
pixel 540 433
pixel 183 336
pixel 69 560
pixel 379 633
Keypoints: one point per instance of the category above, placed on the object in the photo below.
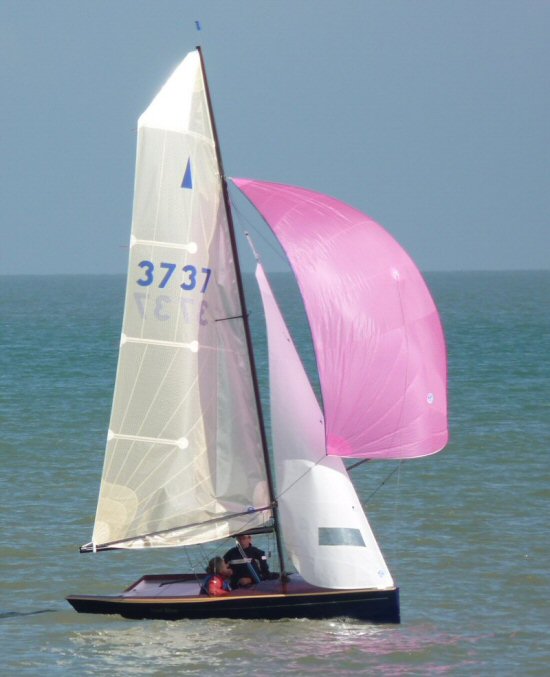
pixel 324 527
pixel 377 335
pixel 183 462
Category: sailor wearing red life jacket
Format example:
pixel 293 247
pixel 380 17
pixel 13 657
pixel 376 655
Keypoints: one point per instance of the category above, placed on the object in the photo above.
pixel 216 584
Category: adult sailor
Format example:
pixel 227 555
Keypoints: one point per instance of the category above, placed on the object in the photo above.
pixel 249 564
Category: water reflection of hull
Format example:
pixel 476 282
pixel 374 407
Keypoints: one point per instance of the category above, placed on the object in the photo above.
pixel 177 597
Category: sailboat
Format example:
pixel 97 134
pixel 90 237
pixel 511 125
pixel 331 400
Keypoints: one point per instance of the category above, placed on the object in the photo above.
pixel 187 459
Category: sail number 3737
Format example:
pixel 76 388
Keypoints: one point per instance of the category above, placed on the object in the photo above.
pixel 164 274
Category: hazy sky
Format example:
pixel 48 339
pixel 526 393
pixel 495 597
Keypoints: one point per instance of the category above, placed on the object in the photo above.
pixel 432 116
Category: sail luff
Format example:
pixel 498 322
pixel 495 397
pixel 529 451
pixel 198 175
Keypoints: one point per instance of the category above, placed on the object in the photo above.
pixel 231 227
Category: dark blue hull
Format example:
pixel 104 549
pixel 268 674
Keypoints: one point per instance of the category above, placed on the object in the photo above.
pixel 176 597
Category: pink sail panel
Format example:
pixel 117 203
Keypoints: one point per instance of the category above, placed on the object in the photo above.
pixel 376 331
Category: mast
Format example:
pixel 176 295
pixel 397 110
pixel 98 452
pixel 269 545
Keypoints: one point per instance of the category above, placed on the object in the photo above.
pixel 249 346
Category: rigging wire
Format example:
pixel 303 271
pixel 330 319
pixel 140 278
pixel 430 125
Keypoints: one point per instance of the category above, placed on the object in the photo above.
pixel 388 476
pixel 246 223
pixel 355 465
pixel 395 526
pixel 301 477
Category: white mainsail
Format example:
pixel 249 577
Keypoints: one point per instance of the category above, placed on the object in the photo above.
pixel 184 461
pixel 324 527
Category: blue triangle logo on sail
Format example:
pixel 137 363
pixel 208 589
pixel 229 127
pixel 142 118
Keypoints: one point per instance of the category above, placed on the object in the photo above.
pixel 187 178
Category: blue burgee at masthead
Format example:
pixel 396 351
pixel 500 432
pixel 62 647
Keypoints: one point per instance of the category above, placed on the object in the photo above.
pixel 187 179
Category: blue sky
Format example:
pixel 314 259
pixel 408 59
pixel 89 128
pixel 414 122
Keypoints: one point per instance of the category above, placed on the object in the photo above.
pixel 429 115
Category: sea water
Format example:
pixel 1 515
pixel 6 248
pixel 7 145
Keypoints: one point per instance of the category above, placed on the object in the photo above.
pixel 465 532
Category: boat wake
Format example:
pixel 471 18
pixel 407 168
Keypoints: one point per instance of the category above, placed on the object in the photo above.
pixel 13 614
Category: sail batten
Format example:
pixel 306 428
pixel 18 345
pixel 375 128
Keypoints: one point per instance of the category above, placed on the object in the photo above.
pixel 193 346
pixel 191 247
pixel 182 443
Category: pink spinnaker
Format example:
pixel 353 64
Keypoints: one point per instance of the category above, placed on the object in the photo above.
pixel 376 331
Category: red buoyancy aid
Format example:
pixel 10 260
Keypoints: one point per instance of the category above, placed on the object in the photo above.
pixel 215 586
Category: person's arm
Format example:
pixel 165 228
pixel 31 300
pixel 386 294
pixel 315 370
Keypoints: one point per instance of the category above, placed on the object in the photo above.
pixel 261 562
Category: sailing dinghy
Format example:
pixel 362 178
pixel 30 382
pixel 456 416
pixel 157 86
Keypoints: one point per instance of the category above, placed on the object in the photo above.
pixel 187 457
